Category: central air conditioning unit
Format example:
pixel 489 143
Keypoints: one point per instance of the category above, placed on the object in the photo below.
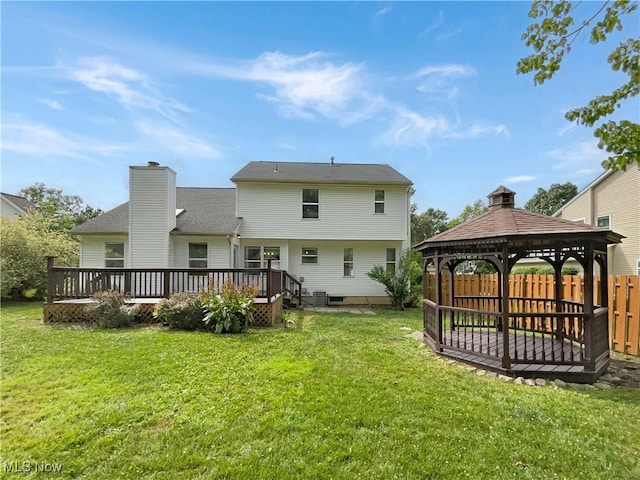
pixel 319 299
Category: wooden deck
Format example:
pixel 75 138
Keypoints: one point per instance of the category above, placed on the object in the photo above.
pixel 485 350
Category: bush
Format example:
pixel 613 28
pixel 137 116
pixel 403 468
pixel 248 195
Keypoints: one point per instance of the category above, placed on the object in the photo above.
pixel 181 311
pixel 231 310
pixel 547 270
pixel 402 285
pixel 25 243
pixel 111 311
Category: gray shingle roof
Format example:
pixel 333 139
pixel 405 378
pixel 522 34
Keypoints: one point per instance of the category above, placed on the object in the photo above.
pixel 299 172
pixel 207 211
pixel 20 202
pixel 511 222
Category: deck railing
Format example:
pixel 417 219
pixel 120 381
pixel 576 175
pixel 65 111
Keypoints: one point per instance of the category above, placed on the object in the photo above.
pixel 536 331
pixel 71 283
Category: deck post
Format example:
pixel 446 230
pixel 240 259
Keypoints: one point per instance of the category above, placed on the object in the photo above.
pixel 50 282
pixel 166 284
pixel 506 359
pixel 269 286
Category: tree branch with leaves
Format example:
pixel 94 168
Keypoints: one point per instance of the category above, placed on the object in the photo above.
pixel 552 36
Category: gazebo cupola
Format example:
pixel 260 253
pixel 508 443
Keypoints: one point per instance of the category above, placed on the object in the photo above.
pixel 546 337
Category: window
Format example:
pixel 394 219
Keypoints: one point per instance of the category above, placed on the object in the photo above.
pixel 348 262
pixel 114 255
pixel 391 260
pixel 379 201
pixel 638 267
pixel 198 255
pixel 258 257
pixel 309 255
pixel 310 203
pixel 603 221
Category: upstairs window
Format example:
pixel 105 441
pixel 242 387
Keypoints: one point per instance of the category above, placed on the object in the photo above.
pixel 114 255
pixel 391 260
pixel 379 201
pixel 198 255
pixel 309 255
pixel 348 262
pixel 603 221
pixel 310 203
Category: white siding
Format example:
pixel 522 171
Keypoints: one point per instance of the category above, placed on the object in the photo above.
pixel 9 210
pixel 92 250
pixel 218 250
pixel 345 212
pixel 151 215
pixel 327 274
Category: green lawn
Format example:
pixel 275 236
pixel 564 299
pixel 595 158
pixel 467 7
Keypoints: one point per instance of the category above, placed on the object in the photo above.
pixel 345 397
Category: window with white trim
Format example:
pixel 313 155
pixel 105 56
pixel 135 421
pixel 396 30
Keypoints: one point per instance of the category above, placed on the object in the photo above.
pixel 258 256
pixel 198 255
pixel 379 201
pixel 391 260
pixel 603 221
pixel 114 255
pixel 309 255
pixel 310 203
pixel 348 262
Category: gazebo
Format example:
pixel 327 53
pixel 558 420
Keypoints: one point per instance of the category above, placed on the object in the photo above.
pixel 518 336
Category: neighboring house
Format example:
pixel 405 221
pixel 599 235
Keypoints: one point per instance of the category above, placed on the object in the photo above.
pixel 612 201
pixel 326 224
pixel 14 205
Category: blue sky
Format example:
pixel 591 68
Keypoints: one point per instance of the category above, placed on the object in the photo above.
pixel 427 87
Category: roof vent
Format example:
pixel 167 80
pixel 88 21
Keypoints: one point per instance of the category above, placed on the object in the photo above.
pixel 332 160
pixel 275 170
pixel 502 197
pixel 153 164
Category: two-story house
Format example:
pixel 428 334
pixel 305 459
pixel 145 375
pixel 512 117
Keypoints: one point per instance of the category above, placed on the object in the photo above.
pixel 326 224
pixel 612 201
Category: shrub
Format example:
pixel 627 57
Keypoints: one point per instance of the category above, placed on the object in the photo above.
pixel 231 310
pixel 182 311
pixel 111 310
pixel 402 285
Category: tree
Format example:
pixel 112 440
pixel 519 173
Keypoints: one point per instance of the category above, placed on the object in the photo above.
pixel 26 241
pixel 547 202
pixel 67 211
pixel 469 212
pixel 427 224
pixel 401 283
pixel 552 36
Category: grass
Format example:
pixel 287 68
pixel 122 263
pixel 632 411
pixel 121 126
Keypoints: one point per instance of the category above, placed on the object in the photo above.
pixel 344 397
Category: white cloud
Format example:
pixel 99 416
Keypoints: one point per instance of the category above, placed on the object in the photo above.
pixel 520 179
pixel 44 141
pixel 581 156
pixel 438 79
pixel 132 89
pixel 437 23
pixel 306 85
pixel 411 129
pixel 383 11
pixel 50 103
pixel 174 140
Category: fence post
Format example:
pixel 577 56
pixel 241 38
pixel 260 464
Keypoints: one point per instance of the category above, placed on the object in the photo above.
pixel 50 283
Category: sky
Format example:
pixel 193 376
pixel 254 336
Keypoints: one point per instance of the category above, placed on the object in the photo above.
pixel 430 88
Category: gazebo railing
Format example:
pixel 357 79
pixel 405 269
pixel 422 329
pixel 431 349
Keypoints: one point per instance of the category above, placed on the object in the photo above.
pixel 537 335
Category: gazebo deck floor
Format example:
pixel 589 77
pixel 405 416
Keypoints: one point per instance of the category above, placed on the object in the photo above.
pixel 477 346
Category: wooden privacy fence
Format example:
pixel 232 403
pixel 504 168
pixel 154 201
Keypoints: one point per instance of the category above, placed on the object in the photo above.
pixel 624 298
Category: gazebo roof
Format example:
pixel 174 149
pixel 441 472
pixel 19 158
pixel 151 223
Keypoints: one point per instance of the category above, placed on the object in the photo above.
pixel 504 221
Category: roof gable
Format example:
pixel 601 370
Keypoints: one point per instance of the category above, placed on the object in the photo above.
pixel 17 201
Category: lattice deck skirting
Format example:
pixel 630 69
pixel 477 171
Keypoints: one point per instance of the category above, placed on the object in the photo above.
pixel 80 311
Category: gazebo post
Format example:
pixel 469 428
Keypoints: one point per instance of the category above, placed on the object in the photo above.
pixel 452 323
pixel 558 292
pixel 589 319
pixel 438 294
pixel 504 308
